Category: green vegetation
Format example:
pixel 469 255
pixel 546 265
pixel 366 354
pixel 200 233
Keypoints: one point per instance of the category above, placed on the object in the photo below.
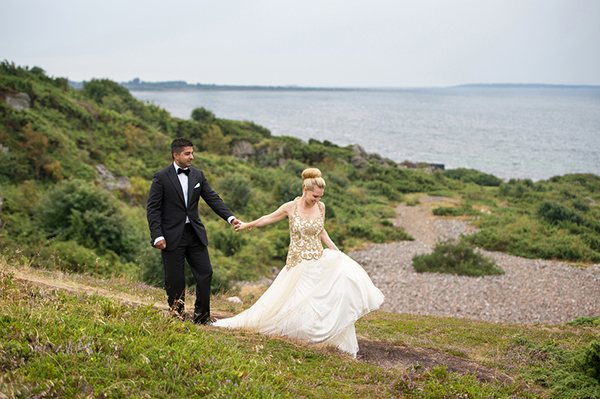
pixel 585 321
pixel 58 343
pixel 456 258
pixel 60 218
pixel 57 211
pixel 554 219
pixel 464 210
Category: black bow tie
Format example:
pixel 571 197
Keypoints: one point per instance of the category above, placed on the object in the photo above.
pixel 186 171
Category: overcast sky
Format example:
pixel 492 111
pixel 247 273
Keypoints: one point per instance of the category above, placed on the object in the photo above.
pixel 346 43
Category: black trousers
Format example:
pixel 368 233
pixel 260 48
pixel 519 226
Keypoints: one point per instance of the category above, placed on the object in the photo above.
pixel 196 253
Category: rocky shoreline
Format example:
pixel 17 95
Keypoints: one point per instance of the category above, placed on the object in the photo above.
pixel 531 290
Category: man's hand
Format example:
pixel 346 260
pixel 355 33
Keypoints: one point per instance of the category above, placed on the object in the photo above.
pixel 162 244
pixel 236 224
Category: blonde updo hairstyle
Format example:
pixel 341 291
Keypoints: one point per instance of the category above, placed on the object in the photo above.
pixel 312 177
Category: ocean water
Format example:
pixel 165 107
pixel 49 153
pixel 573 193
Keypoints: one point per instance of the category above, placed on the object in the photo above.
pixel 531 133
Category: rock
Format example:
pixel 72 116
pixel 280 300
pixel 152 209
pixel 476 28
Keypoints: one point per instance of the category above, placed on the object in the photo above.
pixel 243 150
pixel 379 159
pixel 358 150
pixel 19 101
pixel 359 162
pixel 87 106
pixel 235 300
pixel 4 149
pixel 109 181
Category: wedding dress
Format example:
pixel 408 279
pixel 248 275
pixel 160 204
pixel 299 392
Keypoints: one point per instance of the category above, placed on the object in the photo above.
pixel 317 296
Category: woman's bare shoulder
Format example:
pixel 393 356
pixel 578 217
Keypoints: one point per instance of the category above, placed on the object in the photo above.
pixel 288 207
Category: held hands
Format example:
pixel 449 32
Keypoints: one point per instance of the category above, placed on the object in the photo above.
pixel 236 223
pixel 241 226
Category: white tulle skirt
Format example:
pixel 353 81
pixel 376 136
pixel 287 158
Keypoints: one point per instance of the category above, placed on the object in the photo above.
pixel 315 302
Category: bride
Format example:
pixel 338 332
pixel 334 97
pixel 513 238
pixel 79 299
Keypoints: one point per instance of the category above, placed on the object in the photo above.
pixel 320 293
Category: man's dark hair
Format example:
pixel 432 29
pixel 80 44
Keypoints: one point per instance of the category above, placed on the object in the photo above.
pixel 179 144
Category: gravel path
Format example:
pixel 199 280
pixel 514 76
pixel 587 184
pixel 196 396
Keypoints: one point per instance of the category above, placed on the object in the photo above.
pixel 530 291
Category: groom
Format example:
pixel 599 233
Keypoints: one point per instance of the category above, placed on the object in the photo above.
pixel 176 228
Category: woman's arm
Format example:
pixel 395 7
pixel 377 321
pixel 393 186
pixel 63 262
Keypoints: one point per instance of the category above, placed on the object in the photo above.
pixel 276 216
pixel 325 237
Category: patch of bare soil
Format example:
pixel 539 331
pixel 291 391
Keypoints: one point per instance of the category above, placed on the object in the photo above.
pixel 387 354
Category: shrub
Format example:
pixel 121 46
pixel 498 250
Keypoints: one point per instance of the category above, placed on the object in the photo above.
pixel 384 189
pixel 215 141
pixel 78 210
pixel 150 263
pixel 294 167
pixel 555 212
pixel 228 241
pixel 585 321
pixel 202 115
pixel 454 211
pixel 472 176
pixel 235 190
pixel 289 188
pixel 582 377
pixel 413 201
pixel 581 205
pixel 455 259
pixel 591 360
pixel 70 256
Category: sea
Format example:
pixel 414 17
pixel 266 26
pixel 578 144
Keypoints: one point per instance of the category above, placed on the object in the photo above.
pixel 510 132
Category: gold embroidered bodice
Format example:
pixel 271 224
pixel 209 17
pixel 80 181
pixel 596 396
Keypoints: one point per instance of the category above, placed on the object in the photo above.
pixel 305 243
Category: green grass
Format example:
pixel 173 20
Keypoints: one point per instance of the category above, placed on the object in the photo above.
pixel 70 344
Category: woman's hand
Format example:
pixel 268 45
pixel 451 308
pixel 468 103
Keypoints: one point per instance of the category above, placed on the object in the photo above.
pixel 241 226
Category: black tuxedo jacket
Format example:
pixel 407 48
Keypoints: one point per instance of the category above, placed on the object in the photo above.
pixel 166 210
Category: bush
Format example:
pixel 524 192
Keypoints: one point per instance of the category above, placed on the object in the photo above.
pixel 582 378
pixel 555 212
pixel 78 210
pixel 228 241
pixel 455 259
pixel 202 115
pixel 150 263
pixel 294 168
pixel 454 211
pixel 414 202
pixel 591 360
pixel 585 322
pixel 70 256
pixel 235 190
pixel 288 189
pixel 472 176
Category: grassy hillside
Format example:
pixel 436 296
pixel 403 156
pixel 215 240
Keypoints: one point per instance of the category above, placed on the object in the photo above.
pixel 91 339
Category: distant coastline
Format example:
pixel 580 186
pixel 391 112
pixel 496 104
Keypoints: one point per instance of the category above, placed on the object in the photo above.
pixel 525 86
pixel 180 85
